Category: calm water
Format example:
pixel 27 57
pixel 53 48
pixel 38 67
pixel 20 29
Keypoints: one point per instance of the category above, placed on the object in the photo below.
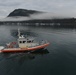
pixel 59 58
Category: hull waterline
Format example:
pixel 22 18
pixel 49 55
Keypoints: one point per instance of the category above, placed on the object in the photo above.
pixel 7 50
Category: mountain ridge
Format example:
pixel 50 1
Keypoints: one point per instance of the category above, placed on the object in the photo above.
pixel 23 12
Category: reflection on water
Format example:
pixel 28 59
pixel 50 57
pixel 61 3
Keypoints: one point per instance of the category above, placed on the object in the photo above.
pixel 25 55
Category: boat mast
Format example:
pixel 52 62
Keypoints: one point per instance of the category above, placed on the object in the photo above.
pixel 18 32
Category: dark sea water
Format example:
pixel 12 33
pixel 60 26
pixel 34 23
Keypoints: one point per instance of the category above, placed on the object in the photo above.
pixel 59 58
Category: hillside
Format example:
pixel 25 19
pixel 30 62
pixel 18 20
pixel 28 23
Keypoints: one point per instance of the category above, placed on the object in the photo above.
pixel 22 12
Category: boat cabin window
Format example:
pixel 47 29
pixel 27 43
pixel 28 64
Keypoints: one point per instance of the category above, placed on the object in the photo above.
pixel 29 41
pixel 22 41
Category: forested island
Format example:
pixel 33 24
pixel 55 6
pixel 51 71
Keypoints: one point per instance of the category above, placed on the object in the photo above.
pixel 22 16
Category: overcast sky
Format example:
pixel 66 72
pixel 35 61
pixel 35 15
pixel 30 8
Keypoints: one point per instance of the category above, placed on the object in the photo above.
pixel 64 7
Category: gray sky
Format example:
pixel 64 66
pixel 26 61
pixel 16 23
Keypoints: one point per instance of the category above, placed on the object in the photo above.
pixel 62 7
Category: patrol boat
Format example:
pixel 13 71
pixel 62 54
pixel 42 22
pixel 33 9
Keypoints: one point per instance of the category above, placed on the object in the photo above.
pixel 24 44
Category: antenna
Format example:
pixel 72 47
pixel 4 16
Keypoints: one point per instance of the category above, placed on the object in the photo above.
pixel 18 32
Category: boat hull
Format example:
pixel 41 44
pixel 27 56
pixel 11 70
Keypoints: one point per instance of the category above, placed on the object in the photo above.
pixel 7 50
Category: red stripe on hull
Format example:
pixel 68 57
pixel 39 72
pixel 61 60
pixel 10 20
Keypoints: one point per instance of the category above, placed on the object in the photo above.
pixel 25 49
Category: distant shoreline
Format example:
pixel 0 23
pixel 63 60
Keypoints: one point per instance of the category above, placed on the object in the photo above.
pixel 66 23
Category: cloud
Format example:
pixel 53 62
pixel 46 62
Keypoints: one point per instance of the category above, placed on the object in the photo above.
pixel 48 16
pixel 15 19
pixel 36 16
